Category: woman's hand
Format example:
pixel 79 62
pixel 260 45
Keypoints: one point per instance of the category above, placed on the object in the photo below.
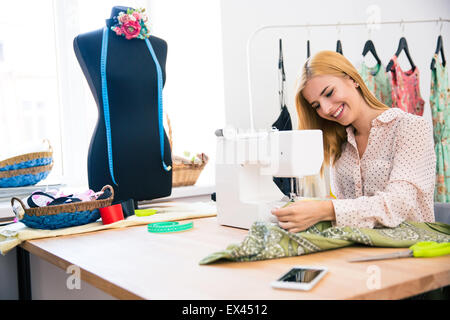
pixel 303 214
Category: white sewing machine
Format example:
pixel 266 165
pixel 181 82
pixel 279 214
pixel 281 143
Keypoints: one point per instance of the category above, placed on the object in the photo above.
pixel 246 164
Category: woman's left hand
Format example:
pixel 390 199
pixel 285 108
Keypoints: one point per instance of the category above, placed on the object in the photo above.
pixel 303 214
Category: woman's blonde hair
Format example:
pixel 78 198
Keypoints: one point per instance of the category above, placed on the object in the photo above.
pixel 334 134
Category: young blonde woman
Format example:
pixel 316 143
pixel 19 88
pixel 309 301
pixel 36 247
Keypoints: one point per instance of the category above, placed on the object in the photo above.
pixel 382 160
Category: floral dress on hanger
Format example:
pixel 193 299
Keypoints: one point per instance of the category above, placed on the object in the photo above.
pixel 378 82
pixel 406 90
pixel 439 103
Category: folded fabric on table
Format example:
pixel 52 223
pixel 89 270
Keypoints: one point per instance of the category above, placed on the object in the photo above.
pixel 14 234
pixel 268 241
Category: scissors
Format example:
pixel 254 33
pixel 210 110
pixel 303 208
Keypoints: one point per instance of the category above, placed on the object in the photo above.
pixel 419 250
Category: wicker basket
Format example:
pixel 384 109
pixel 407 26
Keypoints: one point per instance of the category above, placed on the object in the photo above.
pixel 24 177
pixel 26 169
pixel 64 215
pixel 28 160
pixel 185 174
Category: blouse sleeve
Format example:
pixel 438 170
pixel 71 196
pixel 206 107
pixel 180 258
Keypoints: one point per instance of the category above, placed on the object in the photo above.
pixel 413 173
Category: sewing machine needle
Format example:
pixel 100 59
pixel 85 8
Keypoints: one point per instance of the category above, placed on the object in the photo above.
pixel 292 194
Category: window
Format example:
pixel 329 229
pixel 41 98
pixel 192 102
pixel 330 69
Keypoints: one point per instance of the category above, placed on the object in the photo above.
pixel 29 108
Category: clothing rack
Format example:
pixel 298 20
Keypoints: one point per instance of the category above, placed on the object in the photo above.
pixel 337 25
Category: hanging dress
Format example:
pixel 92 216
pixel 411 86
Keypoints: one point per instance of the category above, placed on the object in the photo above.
pixel 405 89
pixel 378 82
pixel 440 110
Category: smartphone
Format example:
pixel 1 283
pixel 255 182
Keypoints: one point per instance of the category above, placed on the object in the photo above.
pixel 300 278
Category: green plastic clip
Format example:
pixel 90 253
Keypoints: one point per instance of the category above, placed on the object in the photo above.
pixel 144 212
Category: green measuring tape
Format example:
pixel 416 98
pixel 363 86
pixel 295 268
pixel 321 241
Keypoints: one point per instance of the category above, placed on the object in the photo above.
pixel 171 226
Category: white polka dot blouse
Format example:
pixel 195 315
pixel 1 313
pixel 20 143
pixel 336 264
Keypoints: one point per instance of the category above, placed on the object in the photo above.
pixel 394 179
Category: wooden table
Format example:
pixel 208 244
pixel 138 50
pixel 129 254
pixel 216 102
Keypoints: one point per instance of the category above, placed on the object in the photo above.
pixel 132 263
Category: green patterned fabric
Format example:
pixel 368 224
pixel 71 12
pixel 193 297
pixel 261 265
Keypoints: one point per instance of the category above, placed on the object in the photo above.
pixel 377 80
pixel 269 241
pixel 440 111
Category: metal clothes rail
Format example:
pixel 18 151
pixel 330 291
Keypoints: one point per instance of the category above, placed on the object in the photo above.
pixel 307 25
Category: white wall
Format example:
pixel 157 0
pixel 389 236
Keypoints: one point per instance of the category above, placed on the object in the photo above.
pixel 193 92
pixel 241 18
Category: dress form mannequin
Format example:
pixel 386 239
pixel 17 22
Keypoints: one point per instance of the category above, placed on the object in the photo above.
pixel 133 107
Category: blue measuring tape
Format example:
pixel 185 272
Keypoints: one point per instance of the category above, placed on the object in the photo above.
pixel 160 102
pixel 105 98
pixel 106 101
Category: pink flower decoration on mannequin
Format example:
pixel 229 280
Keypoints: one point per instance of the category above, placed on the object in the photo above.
pixel 131 29
pixel 118 31
pixel 137 15
pixel 132 24
pixel 124 18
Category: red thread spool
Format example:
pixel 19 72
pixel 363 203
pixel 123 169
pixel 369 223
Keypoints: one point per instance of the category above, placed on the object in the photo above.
pixel 111 214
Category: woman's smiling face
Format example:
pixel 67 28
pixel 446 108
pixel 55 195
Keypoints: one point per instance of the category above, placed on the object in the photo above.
pixel 334 98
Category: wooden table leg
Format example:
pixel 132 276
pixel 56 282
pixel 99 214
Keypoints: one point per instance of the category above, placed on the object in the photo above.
pixel 23 274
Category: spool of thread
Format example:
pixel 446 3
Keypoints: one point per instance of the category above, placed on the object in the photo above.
pixel 111 214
